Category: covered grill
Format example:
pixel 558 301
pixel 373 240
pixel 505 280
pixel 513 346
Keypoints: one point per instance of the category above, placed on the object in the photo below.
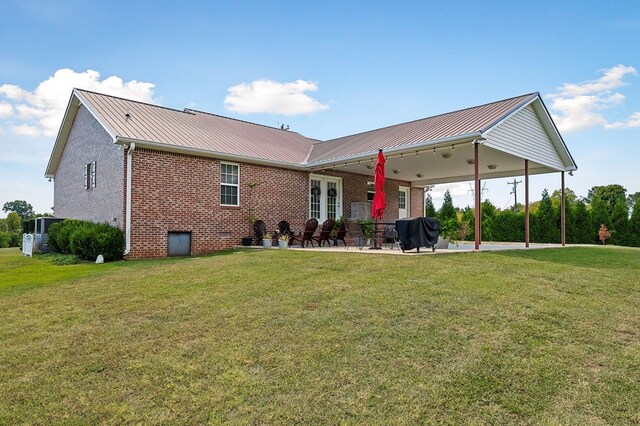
pixel 418 232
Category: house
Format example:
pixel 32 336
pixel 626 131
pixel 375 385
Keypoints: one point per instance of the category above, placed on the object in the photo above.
pixel 158 172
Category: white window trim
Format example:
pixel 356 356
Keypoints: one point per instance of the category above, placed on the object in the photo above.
pixel 93 174
pixel 407 199
pixel 229 184
pixel 368 192
pixel 323 188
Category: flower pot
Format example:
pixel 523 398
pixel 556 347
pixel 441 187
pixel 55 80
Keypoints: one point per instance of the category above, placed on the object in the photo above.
pixel 283 244
pixel 443 243
pixel 266 243
pixel 246 241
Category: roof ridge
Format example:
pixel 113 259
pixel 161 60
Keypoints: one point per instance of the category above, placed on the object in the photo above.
pixel 130 100
pixel 433 116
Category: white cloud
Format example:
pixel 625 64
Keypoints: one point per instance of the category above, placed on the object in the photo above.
pixel 6 110
pixel 266 96
pixel 634 120
pixel 611 79
pixel 25 130
pixel 580 105
pixel 39 113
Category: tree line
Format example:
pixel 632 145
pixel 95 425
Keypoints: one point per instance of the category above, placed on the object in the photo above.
pixel 609 205
pixel 20 217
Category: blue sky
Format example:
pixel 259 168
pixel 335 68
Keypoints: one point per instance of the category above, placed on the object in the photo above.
pixel 358 66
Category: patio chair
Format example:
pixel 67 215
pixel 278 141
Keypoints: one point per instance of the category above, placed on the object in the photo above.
pixel 306 235
pixel 259 229
pixel 340 235
pixel 390 236
pixel 355 232
pixel 285 229
pixel 325 232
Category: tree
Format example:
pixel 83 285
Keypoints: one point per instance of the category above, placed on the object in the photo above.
pixel 447 211
pixel 609 195
pixel 599 216
pixel 544 228
pixel 24 210
pixel 634 225
pixel 620 225
pixel 582 232
pixel 569 197
pixel 14 223
pixel 632 200
pixel 429 208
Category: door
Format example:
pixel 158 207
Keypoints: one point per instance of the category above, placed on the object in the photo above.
pixel 403 202
pixel 325 197
pixel 179 244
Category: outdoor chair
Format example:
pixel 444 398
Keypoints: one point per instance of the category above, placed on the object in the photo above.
pixel 306 236
pixel 285 229
pixel 259 229
pixel 390 236
pixel 340 235
pixel 355 232
pixel 325 232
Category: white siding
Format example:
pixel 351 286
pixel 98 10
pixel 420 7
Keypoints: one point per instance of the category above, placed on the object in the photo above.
pixel 523 135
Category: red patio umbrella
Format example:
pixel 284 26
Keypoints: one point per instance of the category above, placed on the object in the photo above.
pixel 379 202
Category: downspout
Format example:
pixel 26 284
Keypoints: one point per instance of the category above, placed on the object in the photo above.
pixel 132 147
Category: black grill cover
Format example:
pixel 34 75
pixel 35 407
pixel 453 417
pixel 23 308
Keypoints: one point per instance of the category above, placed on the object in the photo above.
pixel 417 232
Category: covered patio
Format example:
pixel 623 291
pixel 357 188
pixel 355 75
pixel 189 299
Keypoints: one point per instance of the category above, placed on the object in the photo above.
pixel 512 137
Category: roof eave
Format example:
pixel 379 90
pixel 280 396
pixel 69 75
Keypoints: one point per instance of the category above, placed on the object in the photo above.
pixel 410 148
pixel 61 138
pixel 207 153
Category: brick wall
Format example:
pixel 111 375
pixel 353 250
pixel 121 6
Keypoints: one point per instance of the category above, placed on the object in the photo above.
pixel 88 142
pixel 176 192
pixel 181 193
pixel 417 202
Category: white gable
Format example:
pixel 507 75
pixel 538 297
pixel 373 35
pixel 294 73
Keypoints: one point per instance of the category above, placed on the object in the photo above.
pixel 524 136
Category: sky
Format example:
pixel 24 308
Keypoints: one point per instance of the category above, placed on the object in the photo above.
pixel 328 69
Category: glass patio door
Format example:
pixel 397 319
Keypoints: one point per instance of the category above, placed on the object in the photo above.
pixel 325 197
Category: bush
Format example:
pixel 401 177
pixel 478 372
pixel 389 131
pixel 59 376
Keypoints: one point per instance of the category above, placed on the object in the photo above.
pixel 15 239
pixel 4 239
pixel 86 239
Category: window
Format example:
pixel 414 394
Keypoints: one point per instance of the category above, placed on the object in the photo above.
pixel 229 187
pixel 371 190
pixel 90 175
pixel 402 199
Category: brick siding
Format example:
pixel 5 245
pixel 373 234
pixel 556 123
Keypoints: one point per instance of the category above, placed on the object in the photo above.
pixel 181 193
pixel 88 142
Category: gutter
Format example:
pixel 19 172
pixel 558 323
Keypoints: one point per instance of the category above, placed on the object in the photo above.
pixel 127 249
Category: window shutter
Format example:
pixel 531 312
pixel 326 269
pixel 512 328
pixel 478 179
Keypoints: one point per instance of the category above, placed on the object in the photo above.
pixel 93 174
pixel 85 178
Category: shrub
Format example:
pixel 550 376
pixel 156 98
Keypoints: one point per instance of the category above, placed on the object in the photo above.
pixel 86 239
pixel 15 239
pixel 4 239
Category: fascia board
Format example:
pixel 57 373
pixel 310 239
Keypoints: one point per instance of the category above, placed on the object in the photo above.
pixel 96 115
pixel 63 134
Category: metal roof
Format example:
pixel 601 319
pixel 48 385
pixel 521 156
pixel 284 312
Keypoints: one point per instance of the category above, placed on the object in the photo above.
pixel 440 127
pixel 200 133
pixel 196 130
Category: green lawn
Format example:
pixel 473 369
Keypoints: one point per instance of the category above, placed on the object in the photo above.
pixel 522 337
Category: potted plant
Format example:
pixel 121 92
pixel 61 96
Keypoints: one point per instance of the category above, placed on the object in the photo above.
pixel 266 240
pixel 448 231
pixel 283 241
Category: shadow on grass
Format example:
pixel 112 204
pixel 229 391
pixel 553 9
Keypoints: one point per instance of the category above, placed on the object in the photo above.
pixel 586 257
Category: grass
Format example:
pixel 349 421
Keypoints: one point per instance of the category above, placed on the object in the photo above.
pixel 521 337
